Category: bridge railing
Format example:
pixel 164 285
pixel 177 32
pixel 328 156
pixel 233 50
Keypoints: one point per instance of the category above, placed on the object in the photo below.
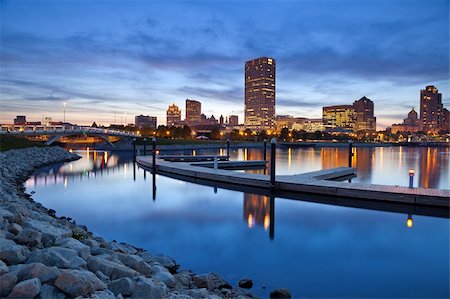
pixel 42 130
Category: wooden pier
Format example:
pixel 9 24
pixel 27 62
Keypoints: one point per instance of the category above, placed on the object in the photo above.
pixel 318 182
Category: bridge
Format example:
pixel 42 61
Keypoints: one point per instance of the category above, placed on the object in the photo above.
pixel 54 133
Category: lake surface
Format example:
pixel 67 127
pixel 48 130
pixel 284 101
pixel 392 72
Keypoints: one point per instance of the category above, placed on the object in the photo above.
pixel 315 250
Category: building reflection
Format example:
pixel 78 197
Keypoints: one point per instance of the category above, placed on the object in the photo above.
pixel 432 163
pixel 259 211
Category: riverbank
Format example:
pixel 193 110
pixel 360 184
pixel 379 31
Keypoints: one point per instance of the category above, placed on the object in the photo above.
pixel 46 256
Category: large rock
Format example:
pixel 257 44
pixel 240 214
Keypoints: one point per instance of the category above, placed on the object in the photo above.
pixel 122 247
pixel 29 237
pixel 162 274
pixel 26 289
pixel 245 283
pixel 164 260
pixel 7 282
pixel 57 256
pixel 3 268
pixel 11 253
pixel 50 233
pixel 148 288
pixel 40 271
pixel 112 269
pixel 84 251
pixel 184 278
pixel 135 262
pixel 211 281
pixel 79 282
pixel 122 286
pixel 14 228
pixel 49 291
pixel 280 293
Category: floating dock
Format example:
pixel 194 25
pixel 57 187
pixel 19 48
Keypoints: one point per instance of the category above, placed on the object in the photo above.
pixel 318 182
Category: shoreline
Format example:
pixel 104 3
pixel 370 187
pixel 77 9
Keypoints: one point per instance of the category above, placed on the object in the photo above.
pixel 47 256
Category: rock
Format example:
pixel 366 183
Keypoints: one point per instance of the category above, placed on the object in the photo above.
pixel 106 294
pixel 14 228
pixel 211 281
pixel 29 237
pixel 148 288
pixel 49 291
pixel 162 274
pixel 26 289
pixel 40 271
pixel 135 262
pixel 164 260
pixel 122 286
pixel 79 282
pixel 103 277
pixel 7 235
pixel 112 269
pixel 7 282
pixel 91 243
pixel 11 253
pixel 57 256
pixel 5 214
pixel 199 293
pixel 280 293
pixel 101 251
pixel 245 283
pixel 183 278
pixel 3 268
pixel 84 251
pixel 122 247
pixel 177 295
pixel 50 233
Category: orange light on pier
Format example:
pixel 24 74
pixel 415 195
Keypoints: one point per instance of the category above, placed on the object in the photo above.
pixel 409 222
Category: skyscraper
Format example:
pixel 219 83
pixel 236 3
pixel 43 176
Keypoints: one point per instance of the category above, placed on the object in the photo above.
pixel 233 120
pixel 173 115
pixel 431 109
pixel 145 121
pixel 364 115
pixel 339 117
pixel 193 112
pixel 260 93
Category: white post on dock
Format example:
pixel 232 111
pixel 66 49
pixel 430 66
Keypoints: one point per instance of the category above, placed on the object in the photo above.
pixel 411 178
pixel 273 144
pixel 216 164
pixel 154 154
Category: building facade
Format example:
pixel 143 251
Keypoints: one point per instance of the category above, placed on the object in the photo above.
pixel 193 112
pixel 146 121
pixel 173 115
pixel 233 121
pixel 260 93
pixel 20 120
pixel 339 117
pixel 446 120
pixel 365 119
pixel 410 124
pixel 431 109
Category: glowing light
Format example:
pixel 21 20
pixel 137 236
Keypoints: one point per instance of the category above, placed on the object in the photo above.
pixel 409 222
pixel 266 222
pixel 105 154
pixel 70 150
pixel 250 221
pixel 194 153
pixel 411 172
pixel 65 182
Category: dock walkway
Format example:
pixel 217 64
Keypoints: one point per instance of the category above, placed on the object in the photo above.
pixel 318 182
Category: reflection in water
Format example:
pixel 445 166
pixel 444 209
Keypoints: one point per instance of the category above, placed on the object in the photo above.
pixel 260 210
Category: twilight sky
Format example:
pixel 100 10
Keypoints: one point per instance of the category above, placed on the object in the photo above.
pixel 110 60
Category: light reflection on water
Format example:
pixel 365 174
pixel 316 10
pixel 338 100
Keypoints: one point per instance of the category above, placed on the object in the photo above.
pixel 316 250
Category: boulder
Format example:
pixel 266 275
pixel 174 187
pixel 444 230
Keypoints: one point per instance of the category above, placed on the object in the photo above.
pixel 79 282
pixel 40 271
pixel 164 260
pixel 103 277
pixel 57 256
pixel 211 281
pixel 26 289
pixel 199 293
pixel 122 247
pixel 280 293
pixel 50 233
pixel 112 269
pixel 7 282
pixel 245 283
pixel 14 228
pixel 148 288
pixel 3 268
pixel 11 253
pixel 29 237
pixel 184 279
pixel 106 294
pixel 122 286
pixel 84 251
pixel 162 274
pixel 135 262
pixel 49 291
pixel 91 243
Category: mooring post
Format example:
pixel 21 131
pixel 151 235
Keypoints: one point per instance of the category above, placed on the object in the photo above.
pixel 154 154
pixel 216 166
pixel 273 144
pixel 350 153
pixel 228 148
pixel 411 178
pixel 145 146
pixel 134 149
pixel 265 149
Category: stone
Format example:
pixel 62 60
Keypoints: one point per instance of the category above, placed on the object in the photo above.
pixel 11 253
pixel 57 256
pixel 280 293
pixel 162 274
pixel 26 289
pixel 49 291
pixel 91 243
pixel 122 286
pixel 148 288
pixel 199 293
pixel 106 294
pixel 164 260
pixel 112 269
pixel 84 251
pixel 183 278
pixel 3 268
pixel 79 282
pixel 101 251
pixel 135 262
pixel 122 247
pixel 29 237
pixel 245 283
pixel 14 228
pixel 211 281
pixel 50 233
pixel 7 282
pixel 5 214
pixel 103 277
pixel 40 271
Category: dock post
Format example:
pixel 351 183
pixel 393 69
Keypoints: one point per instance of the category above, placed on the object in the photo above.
pixel 154 154
pixel 265 149
pixel 228 148
pixel 134 149
pixel 273 144
pixel 216 166
pixel 272 217
pixel 350 153
pixel 411 178
pixel 145 146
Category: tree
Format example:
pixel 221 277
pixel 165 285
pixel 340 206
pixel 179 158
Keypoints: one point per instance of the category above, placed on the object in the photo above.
pixel 262 135
pixel 284 134
pixel 215 133
pixel 186 132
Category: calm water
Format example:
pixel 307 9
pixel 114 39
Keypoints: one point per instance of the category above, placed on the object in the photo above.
pixel 316 250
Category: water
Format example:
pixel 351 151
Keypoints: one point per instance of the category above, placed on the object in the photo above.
pixel 316 250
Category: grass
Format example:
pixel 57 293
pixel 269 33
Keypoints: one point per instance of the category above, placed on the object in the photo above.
pixel 12 142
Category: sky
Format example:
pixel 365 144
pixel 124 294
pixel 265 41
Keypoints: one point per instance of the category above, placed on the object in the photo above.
pixel 111 60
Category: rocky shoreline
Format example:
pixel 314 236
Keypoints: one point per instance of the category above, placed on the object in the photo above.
pixel 43 256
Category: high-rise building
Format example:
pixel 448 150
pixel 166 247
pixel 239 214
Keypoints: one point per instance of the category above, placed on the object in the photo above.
pixel 339 117
pixel 193 112
pixel 20 120
pixel 364 115
pixel 146 121
pixel 431 109
pixel 173 115
pixel 221 121
pixel 233 121
pixel 446 120
pixel 260 93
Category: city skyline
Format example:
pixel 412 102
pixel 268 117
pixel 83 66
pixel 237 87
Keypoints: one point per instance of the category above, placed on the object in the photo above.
pixel 139 60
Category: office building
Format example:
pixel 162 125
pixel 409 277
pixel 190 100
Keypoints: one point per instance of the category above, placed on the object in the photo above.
pixel 260 93
pixel 446 120
pixel 233 121
pixel 431 109
pixel 410 124
pixel 193 112
pixel 339 117
pixel 145 121
pixel 173 115
pixel 20 120
pixel 364 115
